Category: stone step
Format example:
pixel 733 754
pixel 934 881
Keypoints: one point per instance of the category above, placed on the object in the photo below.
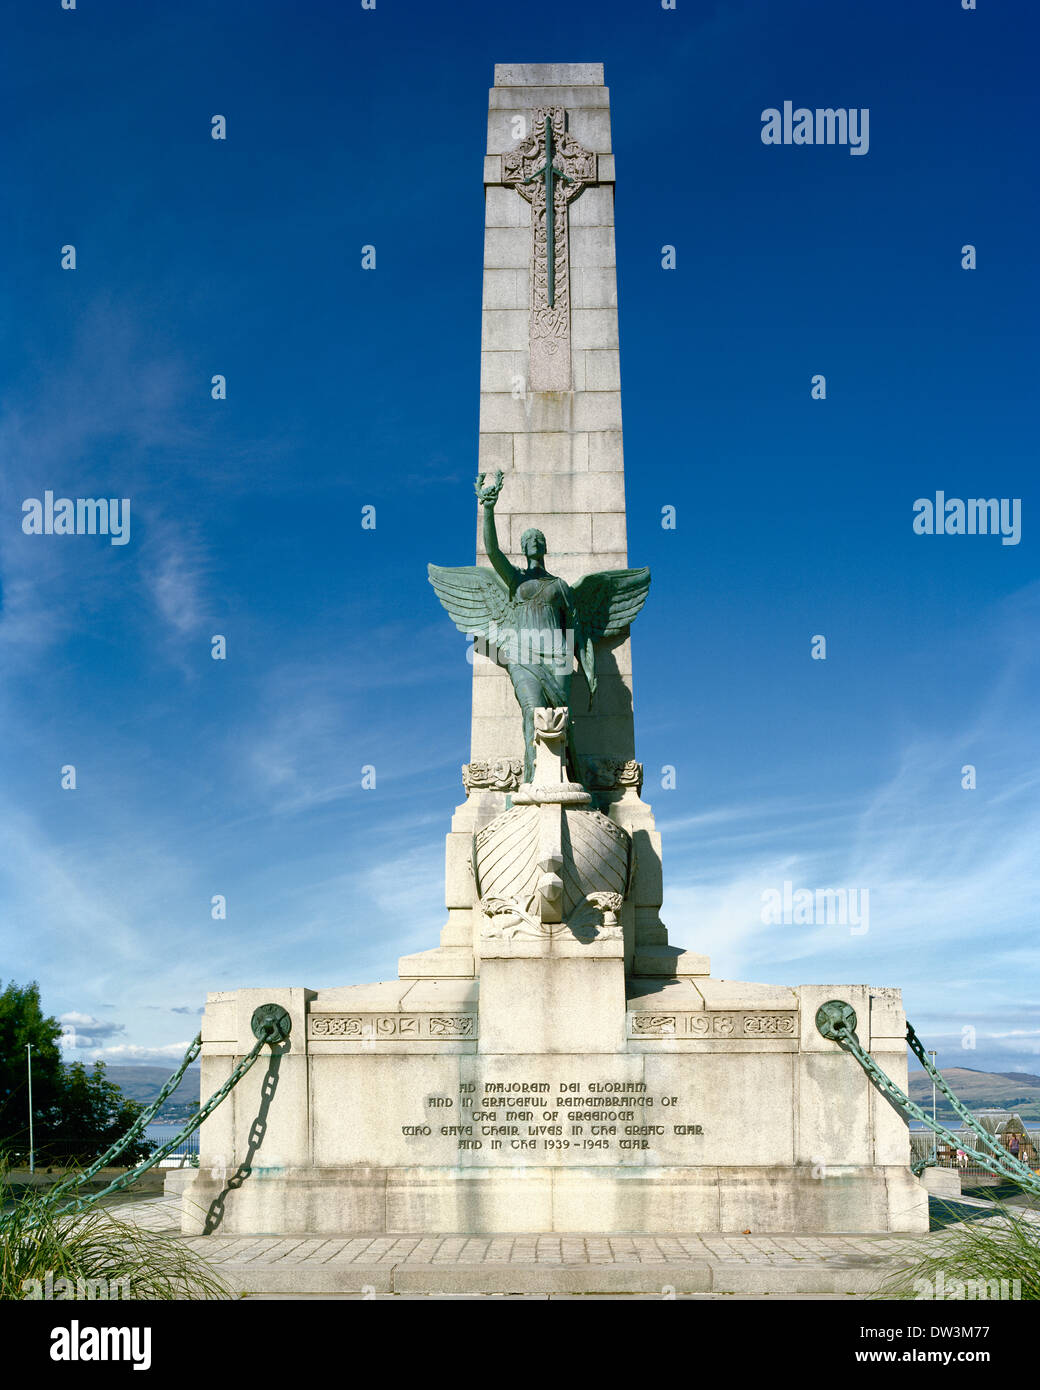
pixel 811 1276
pixel 721 1263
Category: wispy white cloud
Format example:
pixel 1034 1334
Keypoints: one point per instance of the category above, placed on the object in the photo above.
pixel 132 1053
pixel 320 718
pixel 407 893
pixel 174 575
pixel 120 402
pixel 67 894
pixel 81 1030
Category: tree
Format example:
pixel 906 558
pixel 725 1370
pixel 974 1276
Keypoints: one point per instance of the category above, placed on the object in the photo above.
pixel 22 1021
pixel 76 1114
pixel 90 1114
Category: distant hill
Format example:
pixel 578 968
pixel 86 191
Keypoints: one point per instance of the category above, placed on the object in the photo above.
pixel 981 1090
pixel 145 1083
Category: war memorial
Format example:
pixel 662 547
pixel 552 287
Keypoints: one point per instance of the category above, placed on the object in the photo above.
pixel 554 1063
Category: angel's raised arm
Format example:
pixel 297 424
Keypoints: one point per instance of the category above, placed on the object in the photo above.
pixel 488 496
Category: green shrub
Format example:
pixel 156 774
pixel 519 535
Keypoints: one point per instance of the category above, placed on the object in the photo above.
pixel 985 1255
pixel 93 1255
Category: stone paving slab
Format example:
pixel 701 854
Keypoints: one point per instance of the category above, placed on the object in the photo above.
pixel 549 1265
pixel 583 1297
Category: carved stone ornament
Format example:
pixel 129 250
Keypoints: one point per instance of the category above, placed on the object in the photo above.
pixel 595 919
pixel 550 775
pixel 716 1026
pixel 613 774
pixel 506 775
pixel 549 168
pixel 375 1027
pixel 551 862
pixel 496 775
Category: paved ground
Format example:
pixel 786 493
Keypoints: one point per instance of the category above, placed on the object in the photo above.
pixel 558 1265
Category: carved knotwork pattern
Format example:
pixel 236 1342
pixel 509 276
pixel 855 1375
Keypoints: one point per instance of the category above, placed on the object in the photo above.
pixel 769 1025
pixel 323 1026
pixel 461 1026
pixel 653 1025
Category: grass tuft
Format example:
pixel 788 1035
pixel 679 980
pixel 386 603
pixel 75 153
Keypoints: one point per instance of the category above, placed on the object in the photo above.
pixel 995 1255
pixel 93 1255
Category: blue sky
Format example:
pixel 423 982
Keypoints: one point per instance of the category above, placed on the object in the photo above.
pixel 349 387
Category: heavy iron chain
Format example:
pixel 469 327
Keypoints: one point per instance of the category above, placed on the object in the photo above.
pixel 270 1024
pixel 836 1021
pixel 135 1130
pixel 992 1145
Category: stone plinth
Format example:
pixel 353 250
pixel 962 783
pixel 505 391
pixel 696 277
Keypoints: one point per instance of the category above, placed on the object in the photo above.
pixel 416 1106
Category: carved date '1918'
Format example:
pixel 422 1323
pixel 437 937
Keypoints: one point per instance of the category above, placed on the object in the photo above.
pixel 645 1024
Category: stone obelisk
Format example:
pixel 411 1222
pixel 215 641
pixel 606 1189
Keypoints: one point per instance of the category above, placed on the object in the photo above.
pixel 550 384
pixel 550 420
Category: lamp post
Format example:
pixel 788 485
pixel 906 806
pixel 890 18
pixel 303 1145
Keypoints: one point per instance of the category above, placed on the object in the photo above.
pixel 935 1146
pixel 28 1063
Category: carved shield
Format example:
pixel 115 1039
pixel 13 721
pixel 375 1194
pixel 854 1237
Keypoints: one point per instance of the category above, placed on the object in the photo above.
pixel 597 857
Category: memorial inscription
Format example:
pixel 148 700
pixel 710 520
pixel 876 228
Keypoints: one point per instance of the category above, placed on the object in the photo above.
pixel 555 1118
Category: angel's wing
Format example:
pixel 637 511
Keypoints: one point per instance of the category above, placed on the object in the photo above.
pixel 473 596
pixel 604 605
pixel 608 601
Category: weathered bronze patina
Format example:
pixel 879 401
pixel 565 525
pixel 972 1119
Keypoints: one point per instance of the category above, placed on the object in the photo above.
pixel 532 622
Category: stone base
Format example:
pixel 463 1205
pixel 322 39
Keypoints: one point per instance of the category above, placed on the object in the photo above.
pixel 506 1104
pixel 942 1182
pixel 376 1201
pixel 178 1180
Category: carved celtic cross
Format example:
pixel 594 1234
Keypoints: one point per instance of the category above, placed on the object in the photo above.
pixel 549 168
pixel 549 173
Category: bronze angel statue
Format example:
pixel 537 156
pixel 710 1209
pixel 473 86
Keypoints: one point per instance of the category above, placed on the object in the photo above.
pixel 531 621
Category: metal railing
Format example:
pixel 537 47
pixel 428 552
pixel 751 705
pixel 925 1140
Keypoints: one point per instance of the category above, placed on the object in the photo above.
pixel 185 1155
pixel 964 1156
